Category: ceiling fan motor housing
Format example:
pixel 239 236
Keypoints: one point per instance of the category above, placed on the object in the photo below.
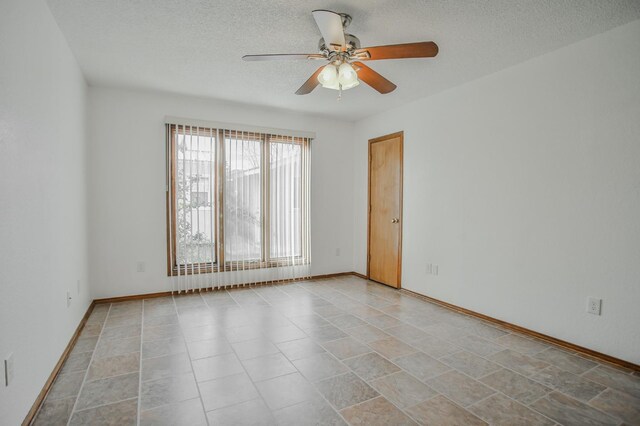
pixel 352 43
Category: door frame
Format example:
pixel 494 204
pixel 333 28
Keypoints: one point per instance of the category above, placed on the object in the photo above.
pixel 399 134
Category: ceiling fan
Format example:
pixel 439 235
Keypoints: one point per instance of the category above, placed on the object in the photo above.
pixel 344 54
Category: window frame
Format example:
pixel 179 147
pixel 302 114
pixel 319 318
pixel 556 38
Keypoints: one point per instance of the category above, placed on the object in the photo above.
pixel 217 203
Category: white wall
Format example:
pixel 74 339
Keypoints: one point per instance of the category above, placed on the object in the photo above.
pixel 43 238
pixel 127 181
pixel 524 187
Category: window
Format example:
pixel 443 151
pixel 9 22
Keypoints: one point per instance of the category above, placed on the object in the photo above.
pixel 243 197
pixel 285 208
pixel 200 198
pixel 236 200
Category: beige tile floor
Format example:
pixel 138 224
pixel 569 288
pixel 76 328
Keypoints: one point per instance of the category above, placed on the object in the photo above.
pixel 330 352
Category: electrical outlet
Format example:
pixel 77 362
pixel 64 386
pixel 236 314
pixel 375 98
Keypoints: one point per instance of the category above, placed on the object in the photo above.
pixel 337 252
pixel 141 266
pixel 594 306
pixel 435 269
pixel 68 298
pixel 8 370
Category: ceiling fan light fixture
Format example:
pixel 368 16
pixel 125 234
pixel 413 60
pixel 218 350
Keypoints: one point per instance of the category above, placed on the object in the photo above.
pixel 328 76
pixel 350 85
pixel 337 86
pixel 347 76
pixel 338 78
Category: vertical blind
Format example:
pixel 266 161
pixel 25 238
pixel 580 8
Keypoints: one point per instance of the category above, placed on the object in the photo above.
pixel 237 207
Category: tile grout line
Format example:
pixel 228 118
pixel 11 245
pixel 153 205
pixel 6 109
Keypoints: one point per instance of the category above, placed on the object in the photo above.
pixel 402 370
pixel 84 379
pixel 113 376
pixel 552 388
pixel 590 369
pixel 175 307
pixel 329 402
pixel 107 403
pixel 599 393
pixel 498 392
pixel 368 383
pixel 557 422
pixel 315 388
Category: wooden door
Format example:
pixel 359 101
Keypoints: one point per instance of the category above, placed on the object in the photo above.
pixel 385 209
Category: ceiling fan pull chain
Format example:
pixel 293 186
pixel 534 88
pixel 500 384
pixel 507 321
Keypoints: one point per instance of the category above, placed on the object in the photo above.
pixel 339 92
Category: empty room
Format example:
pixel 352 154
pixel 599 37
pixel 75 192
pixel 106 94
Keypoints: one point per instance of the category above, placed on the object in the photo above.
pixel 363 212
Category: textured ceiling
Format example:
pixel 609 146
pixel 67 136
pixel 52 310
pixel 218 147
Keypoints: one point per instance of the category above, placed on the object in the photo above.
pixel 194 47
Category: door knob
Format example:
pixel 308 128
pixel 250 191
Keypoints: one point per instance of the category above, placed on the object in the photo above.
pixel 395 220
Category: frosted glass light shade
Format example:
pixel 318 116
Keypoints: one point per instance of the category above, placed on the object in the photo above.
pixel 332 77
pixel 351 85
pixel 347 75
pixel 336 85
pixel 328 76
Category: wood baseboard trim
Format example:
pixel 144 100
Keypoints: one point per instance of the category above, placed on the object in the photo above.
pixel 586 352
pixel 359 275
pixel 31 415
pixel 232 287
pixel 132 297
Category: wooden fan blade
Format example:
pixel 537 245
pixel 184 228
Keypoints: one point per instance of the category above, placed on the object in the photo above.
pixel 284 56
pixel 310 84
pixel 374 79
pixel 424 49
pixel 330 26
